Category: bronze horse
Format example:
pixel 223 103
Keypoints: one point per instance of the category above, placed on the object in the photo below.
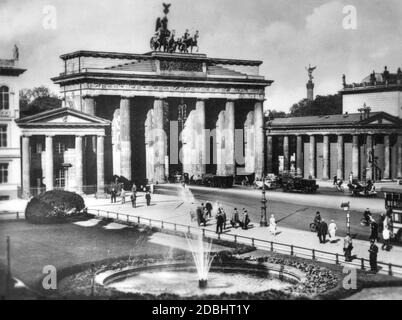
pixel 164 41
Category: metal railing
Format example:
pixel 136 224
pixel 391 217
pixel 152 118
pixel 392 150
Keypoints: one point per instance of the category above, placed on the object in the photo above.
pixel 11 215
pixel 293 250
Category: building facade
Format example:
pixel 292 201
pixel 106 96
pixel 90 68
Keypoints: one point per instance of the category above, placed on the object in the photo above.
pixel 368 145
pixel 159 114
pixel 10 159
pixel 364 142
pixel 380 91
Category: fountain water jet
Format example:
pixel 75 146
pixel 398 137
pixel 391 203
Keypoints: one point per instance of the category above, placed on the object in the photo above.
pixel 202 256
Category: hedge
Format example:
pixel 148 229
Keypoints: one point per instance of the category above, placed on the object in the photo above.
pixel 55 206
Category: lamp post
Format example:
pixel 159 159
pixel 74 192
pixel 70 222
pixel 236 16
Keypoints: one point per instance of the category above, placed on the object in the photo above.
pixel 346 206
pixel 263 220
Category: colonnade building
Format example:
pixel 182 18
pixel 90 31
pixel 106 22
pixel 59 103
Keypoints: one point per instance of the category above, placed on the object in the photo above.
pixel 365 141
pixel 146 117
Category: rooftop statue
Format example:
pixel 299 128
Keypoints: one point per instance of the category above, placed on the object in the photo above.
pixel 164 39
pixel 310 70
pixel 16 53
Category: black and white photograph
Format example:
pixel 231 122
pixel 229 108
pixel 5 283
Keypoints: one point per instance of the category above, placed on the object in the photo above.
pixel 214 151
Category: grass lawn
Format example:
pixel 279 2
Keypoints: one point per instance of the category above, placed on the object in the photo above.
pixel 65 246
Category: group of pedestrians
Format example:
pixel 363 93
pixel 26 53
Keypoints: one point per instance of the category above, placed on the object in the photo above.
pixel 324 230
pixel 123 195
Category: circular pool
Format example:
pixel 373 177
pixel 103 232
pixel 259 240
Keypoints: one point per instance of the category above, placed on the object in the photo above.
pixel 182 279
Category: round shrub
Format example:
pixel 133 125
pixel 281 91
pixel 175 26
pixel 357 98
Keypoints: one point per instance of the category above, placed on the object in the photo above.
pixel 55 206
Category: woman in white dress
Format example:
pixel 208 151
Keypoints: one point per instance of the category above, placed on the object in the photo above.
pixel 332 230
pixel 272 225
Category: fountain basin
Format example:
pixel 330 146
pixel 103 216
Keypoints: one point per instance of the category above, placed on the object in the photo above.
pixel 182 279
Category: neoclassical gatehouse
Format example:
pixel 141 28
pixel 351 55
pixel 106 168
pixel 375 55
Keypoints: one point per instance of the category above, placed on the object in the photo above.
pixel 159 113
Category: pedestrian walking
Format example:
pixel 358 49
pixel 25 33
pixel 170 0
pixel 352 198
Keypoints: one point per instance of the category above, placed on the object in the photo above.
pixel 224 218
pixel 322 231
pixel 347 248
pixel 123 196
pixel 245 219
pixel 200 215
pixel 113 195
pixel 208 206
pixel 219 222
pixel 332 231
pixel 134 199
pixel 374 230
pixel 373 255
pixel 234 221
pixel 386 235
pixel 148 198
pixel 272 225
pixel 134 188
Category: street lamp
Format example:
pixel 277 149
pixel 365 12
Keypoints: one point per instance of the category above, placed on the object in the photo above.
pixel 263 220
pixel 346 207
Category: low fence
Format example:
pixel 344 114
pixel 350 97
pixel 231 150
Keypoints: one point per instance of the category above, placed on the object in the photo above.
pixel 293 250
pixel 12 215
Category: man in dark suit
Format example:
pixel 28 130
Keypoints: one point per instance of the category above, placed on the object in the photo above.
pixel 373 255
pixel 148 198
pixel 322 231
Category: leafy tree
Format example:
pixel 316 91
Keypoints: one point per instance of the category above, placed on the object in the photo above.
pixel 322 105
pixel 274 114
pixel 36 100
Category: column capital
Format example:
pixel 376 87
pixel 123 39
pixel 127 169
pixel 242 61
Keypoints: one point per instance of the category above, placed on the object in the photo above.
pixel 88 96
pixel 202 99
pixel 49 135
pixel 26 135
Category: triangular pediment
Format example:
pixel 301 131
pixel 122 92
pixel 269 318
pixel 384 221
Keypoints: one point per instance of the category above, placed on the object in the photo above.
pixel 382 118
pixel 62 116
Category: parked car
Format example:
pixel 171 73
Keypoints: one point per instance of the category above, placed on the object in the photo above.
pixel 359 190
pixel 289 183
pixel 271 182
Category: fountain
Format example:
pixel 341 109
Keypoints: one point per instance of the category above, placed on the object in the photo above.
pixel 202 257
pixel 200 277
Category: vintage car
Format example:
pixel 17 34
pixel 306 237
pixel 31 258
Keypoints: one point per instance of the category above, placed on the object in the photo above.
pixel 210 180
pixel 289 183
pixel 271 182
pixel 359 190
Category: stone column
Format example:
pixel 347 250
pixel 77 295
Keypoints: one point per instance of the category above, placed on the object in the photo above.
pixel 230 165
pixel 49 170
pixel 160 141
pixel 202 145
pixel 299 155
pixel 399 156
pixel 269 154
pixel 79 173
pixel 26 167
pixel 89 105
pixel 100 164
pixel 125 138
pixel 312 156
pixel 286 154
pixel 369 157
pixel 387 157
pixel 325 156
pixel 355 156
pixel 340 167
pixel 259 139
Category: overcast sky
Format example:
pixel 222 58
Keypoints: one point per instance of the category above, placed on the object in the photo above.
pixel 286 35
